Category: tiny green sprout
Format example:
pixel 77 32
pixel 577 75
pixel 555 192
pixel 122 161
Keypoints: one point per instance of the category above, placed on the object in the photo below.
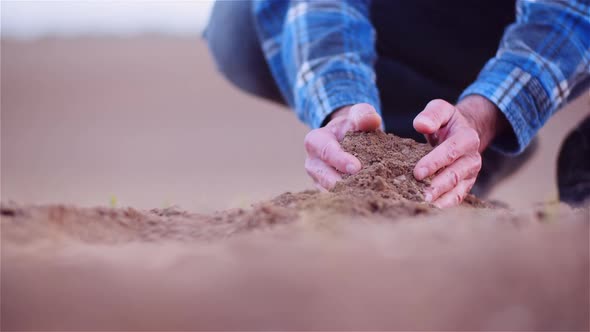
pixel 549 212
pixel 113 201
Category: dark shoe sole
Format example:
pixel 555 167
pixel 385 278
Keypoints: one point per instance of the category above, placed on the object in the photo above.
pixel 573 166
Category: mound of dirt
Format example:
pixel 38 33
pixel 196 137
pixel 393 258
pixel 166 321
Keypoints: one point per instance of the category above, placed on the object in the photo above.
pixel 388 164
pixel 385 185
pixel 369 255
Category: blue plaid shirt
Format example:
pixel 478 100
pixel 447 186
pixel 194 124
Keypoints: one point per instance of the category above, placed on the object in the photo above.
pixel 321 54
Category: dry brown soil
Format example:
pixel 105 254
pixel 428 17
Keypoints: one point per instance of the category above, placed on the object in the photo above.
pixel 370 254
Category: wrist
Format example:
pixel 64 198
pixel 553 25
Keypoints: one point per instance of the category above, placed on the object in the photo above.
pixel 484 116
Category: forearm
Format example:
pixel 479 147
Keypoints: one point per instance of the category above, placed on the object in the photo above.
pixel 485 118
pixel 541 58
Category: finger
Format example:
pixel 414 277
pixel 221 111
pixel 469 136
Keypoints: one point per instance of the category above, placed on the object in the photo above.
pixel 361 117
pixel 435 115
pixel 322 144
pixel 321 173
pixel 318 187
pixel 455 196
pixel 465 167
pixel 364 117
pixel 464 142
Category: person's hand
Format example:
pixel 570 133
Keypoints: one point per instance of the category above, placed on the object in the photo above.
pixel 324 154
pixel 461 133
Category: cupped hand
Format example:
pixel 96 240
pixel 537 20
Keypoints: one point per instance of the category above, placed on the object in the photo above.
pixel 325 158
pixel 460 134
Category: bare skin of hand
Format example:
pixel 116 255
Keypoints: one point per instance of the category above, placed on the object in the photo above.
pixel 460 133
pixel 324 153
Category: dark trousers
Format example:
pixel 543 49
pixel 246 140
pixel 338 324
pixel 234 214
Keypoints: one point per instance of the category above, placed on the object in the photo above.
pixel 427 49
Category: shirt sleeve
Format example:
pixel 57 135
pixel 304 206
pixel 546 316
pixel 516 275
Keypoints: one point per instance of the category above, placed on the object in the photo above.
pixel 542 58
pixel 321 54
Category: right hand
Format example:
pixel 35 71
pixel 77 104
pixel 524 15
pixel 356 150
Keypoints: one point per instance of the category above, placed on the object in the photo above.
pixel 324 154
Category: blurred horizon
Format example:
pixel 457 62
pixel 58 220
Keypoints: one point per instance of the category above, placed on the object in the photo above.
pixel 40 19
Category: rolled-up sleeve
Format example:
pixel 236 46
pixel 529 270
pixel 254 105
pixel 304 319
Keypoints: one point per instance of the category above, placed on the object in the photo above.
pixel 542 58
pixel 321 54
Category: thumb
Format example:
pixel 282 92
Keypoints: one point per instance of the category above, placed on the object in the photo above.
pixel 364 117
pixel 436 114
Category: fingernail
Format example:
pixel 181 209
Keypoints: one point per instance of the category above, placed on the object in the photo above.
pixel 351 169
pixel 421 172
pixel 428 197
pixel 429 123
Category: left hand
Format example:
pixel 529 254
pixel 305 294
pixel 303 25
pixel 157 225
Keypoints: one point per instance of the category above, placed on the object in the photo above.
pixel 461 133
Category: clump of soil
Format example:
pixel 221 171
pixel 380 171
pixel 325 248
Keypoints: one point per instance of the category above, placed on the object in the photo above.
pixel 388 163
pixel 384 186
pixel 388 167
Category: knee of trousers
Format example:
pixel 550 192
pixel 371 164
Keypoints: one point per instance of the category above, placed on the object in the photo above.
pixel 244 68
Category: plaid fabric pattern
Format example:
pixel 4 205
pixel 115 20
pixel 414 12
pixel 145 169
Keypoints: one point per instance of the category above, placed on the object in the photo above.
pixel 541 58
pixel 321 54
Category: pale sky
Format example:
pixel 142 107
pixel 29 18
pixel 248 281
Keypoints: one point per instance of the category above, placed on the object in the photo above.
pixel 33 19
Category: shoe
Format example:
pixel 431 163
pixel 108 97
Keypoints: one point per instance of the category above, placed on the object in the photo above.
pixel 573 166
